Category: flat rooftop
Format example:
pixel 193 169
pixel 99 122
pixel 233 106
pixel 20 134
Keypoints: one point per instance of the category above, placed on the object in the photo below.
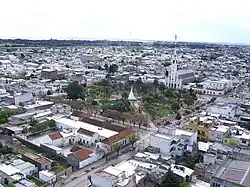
pixel 235 171
pixel 78 124
pixel 163 136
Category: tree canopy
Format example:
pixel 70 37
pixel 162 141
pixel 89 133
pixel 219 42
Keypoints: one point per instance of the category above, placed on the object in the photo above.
pixel 75 91
pixel 171 180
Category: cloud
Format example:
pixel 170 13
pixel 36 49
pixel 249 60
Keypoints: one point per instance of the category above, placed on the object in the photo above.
pixel 195 20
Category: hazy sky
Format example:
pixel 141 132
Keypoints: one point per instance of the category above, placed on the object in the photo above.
pixel 191 20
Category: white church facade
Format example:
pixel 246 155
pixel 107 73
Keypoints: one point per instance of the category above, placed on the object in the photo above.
pixel 176 78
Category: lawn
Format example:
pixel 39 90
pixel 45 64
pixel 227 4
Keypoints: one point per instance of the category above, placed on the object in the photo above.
pixel 157 111
pixel 24 149
pixel 58 166
pixel 35 180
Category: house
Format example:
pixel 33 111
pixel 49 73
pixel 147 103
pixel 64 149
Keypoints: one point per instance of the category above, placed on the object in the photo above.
pixel 56 138
pixel 61 109
pixel 218 133
pixel 185 174
pixel 25 167
pixel 82 157
pixel 25 183
pixel 23 98
pixel 47 176
pixel 201 125
pixel 124 174
pixel 69 124
pixel 108 145
pixel 173 141
pixel 52 74
pixel 87 137
pixel 39 161
pixel 38 105
pixel 242 138
pixel 9 173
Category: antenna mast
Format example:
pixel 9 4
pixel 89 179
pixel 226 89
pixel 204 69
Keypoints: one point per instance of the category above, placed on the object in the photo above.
pixel 175 42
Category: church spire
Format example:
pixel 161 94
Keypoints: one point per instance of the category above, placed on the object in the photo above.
pixel 131 96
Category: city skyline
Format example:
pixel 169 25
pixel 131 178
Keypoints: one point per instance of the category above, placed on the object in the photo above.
pixel 194 21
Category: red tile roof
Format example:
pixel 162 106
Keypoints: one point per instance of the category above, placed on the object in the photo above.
pixel 75 148
pixel 82 154
pixel 55 135
pixel 121 135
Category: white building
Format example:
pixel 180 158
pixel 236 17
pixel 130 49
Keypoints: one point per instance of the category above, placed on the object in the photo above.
pixel 213 87
pixel 176 78
pixel 86 137
pixel 126 174
pixel 218 133
pixel 61 109
pixel 47 176
pixel 10 173
pixel 172 141
pixel 67 124
pixel 21 98
pixel 242 139
pixel 25 167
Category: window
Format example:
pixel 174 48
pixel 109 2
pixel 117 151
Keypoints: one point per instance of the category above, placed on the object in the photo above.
pixel 244 141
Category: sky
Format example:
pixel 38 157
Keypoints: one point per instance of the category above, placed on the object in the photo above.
pixel 192 20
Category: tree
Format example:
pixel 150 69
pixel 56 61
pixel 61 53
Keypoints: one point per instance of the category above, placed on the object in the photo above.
pixel 3 117
pixel 175 106
pixel 75 91
pixel 118 146
pixel 132 140
pixel 156 84
pixel 178 116
pixel 177 95
pixel 185 184
pixel 33 122
pixel 52 123
pixel 49 92
pixel 125 95
pixel 170 180
pixel 189 100
pixel 11 185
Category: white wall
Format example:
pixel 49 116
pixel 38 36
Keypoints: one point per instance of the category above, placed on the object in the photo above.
pixel 30 170
pixel 163 144
pixel 23 98
pixel 101 182
pixel 215 135
pixel 46 178
pixel 90 160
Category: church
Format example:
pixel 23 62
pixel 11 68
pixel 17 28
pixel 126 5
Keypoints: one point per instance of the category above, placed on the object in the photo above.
pixel 175 78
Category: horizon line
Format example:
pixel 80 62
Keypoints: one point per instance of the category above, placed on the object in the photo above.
pixel 126 40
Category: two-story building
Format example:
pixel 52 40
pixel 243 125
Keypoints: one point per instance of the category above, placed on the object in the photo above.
pixel 201 125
